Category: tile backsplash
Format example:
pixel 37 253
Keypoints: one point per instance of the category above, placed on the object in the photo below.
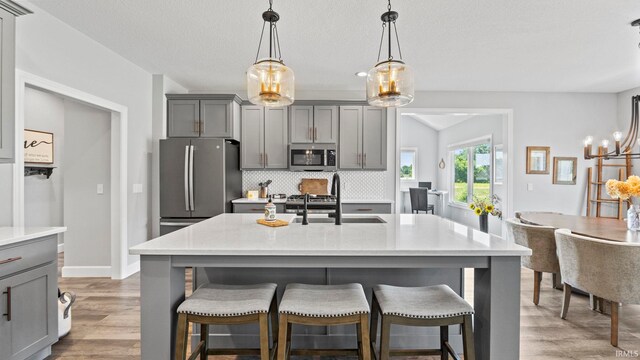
pixel 356 185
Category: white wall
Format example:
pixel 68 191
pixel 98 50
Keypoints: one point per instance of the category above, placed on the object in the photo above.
pixel 43 198
pixel 414 134
pixel 87 163
pixel 475 127
pixel 53 50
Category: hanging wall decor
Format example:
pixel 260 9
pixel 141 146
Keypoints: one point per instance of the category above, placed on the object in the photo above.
pixel 38 147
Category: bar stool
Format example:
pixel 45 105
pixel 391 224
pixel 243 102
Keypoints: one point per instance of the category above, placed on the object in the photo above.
pixel 215 304
pixel 324 305
pixel 421 306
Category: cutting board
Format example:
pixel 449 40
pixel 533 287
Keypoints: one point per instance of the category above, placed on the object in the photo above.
pixel 275 223
pixel 314 186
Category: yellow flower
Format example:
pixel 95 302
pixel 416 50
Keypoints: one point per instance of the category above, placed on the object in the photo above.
pixel 472 206
pixel 612 188
pixel 624 190
pixel 633 180
pixel 489 208
pixel 478 211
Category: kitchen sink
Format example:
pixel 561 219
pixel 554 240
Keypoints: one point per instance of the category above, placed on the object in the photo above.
pixel 345 220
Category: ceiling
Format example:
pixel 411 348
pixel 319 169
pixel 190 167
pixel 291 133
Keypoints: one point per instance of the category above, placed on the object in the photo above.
pixel 439 122
pixel 497 45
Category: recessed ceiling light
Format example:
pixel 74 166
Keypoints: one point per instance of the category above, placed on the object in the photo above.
pixel 361 73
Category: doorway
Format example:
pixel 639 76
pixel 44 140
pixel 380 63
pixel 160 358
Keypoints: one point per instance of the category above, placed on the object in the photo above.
pixel 81 105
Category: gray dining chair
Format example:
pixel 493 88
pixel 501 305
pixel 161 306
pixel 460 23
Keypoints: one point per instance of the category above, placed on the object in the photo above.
pixel 420 200
pixel 607 269
pixel 541 240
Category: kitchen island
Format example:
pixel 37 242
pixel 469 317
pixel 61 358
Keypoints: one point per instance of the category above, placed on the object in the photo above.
pixel 229 246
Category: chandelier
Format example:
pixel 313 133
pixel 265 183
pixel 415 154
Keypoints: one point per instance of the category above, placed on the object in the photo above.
pixel 390 82
pixel 269 81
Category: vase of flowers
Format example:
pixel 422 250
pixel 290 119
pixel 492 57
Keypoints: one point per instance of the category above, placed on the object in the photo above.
pixel 482 207
pixel 627 190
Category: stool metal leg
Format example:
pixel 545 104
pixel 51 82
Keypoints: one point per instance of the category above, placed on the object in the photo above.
pixel 385 337
pixel 264 336
pixel 283 337
pixel 204 337
pixel 444 337
pixel 365 345
pixel 467 339
pixel 181 337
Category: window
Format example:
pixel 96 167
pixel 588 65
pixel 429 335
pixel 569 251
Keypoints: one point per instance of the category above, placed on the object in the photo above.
pixel 408 161
pixel 471 170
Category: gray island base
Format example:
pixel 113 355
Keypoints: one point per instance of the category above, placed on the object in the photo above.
pixel 408 250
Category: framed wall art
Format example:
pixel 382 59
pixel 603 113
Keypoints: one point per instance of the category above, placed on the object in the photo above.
pixel 565 170
pixel 38 147
pixel 538 159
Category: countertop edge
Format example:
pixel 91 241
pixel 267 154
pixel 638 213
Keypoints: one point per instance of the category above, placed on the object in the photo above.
pixel 24 237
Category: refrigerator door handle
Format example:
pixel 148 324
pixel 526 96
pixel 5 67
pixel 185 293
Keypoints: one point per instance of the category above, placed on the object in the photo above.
pixel 193 205
pixel 186 178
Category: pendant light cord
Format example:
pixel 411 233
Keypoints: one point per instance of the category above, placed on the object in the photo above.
pixel 260 42
pixel 397 39
pixel 274 38
pixel 384 26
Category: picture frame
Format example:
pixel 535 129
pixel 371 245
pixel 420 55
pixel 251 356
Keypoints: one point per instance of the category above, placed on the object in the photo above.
pixel 498 165
pixel 538 159
pixel 38 147
pixel 565 170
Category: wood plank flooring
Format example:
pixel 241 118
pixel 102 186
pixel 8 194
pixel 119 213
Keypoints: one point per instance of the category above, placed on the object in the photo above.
pixel 106 323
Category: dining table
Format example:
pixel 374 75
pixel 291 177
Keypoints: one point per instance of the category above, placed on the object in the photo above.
pixel 596 227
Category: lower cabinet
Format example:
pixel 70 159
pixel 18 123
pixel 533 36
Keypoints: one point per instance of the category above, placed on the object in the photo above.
pixel 366 208
pixel 29 312
pixel 247 208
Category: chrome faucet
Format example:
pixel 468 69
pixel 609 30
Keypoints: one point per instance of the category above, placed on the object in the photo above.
pixel 335 190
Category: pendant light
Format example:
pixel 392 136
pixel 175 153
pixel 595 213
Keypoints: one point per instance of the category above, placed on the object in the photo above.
pixel 390 82
pixel 269 81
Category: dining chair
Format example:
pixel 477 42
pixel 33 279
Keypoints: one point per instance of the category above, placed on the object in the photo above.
pixel 420 200
pixel 541 240
pixel 607 269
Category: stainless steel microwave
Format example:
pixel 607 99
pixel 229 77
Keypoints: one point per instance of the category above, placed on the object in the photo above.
pixel 313 157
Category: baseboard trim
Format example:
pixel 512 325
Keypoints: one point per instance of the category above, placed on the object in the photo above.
pixel 86 271
pixel 131 269
pixel 60 248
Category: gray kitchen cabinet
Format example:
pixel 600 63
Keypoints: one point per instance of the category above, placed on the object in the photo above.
pixel 28 293
pixel 8 14
pixel 363 138
pixel 248 208
pixel 301 124
pixel 366 208
pixel 350 144
pixel 314 124
pixel 374 138
pixel 264 138
pixel 202 115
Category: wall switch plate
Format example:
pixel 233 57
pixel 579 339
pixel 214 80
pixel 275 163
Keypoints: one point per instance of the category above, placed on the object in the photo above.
pixel 137 188
pixel 100 189
pixel 529 187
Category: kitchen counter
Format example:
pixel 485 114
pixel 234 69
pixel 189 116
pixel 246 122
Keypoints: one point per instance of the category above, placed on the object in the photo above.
pixel 282 201
pixel 407 250
pixel 14 235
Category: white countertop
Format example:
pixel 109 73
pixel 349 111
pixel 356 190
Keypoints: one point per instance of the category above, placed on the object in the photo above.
pixel 401 235
pixel 435 192
pixel 282 201
pixel 12 235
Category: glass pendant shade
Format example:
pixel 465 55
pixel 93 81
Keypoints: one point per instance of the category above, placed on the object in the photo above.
pixel 390 84
pixel 270 83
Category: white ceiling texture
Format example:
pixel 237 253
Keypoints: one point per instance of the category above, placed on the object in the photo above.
pixel 453 45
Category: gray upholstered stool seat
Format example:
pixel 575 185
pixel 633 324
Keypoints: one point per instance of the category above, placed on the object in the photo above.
pixel 324 305
pixel 428 302
pixel 215 304
pixel 436 305
pixel 324 300
pixel 229 300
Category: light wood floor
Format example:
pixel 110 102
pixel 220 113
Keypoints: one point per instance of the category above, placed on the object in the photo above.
pixel 106 323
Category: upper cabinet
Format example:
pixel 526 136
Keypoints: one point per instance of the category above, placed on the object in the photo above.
pixel 363 138
pixel 8 13
pixel 200 115
pixel 313 124
pixel 264 138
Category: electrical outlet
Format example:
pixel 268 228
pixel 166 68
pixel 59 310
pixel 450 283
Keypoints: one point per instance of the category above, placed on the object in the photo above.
pixel 529 187
pixel 137 188
pixel 100 189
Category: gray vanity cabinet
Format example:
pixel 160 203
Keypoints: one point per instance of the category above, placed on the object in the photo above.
pixel 8 13
pixel 363 138
pixel 264 138
pixel 202 115
pixel 314 124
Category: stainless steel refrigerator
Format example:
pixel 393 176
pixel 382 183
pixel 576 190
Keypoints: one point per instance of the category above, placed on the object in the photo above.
pixel 198 180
